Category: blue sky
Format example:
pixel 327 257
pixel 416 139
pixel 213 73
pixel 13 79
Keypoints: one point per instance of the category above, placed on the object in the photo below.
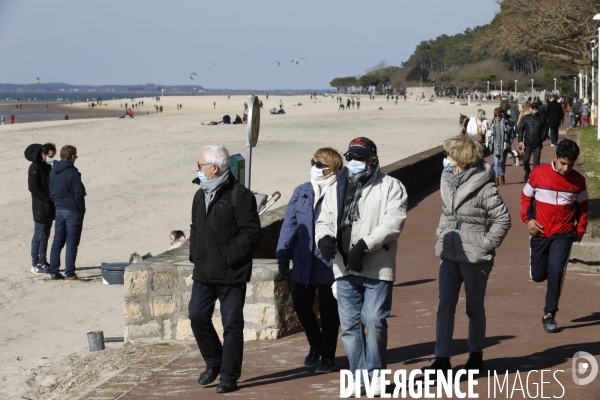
pixel 150 41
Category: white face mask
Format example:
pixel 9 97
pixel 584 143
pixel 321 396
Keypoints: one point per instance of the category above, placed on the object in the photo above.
pixel 317 174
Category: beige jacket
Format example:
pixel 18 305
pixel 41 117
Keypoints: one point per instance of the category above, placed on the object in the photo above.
pixel 382 209
pixel 474 218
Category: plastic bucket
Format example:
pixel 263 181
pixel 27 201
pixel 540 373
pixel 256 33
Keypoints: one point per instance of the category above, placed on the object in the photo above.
pixel 96 340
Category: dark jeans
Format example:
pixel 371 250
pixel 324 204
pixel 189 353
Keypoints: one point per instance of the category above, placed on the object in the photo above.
pixel 39 243
pixel 577 120
pixel 549 258
pixel 537 152
pixel 324 338
pixel 554 135
pixel 451 277
pixel 228 356
pixel 67 229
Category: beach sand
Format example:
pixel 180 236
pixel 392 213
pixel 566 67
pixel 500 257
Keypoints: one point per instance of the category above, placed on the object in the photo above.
pixel 138 175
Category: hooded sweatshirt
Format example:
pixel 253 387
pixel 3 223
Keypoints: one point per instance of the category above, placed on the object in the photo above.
pixel 39 186
pixel 66 189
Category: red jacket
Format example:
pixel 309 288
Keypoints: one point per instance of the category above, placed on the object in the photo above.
pixel 558 203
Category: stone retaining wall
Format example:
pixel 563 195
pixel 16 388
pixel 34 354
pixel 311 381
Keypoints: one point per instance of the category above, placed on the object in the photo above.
pixel 157 293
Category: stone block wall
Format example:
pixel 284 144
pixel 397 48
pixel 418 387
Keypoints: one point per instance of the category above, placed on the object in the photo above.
pixel 157 292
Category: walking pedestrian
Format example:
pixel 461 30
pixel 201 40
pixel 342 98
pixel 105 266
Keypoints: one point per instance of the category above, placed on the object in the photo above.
pixel 311 272
pixel 361 219
pixel 554 205
pixel 478 128
pixel 358 104
pixel 585 113
pixel 38 180
pixel 531 138
pixel 554 114
pixel 214 105
pixel 68 194
pixel 500 142
pixel 221 252
pixel 2 120
pixel 577 113
pixel 514 109
pixel 474 222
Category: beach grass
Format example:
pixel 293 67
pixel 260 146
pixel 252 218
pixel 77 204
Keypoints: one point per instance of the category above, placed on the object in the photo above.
pixel 590 157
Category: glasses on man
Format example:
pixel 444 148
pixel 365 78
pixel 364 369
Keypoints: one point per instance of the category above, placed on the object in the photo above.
pixel 349 157
pixel 202 165
pixel 318 164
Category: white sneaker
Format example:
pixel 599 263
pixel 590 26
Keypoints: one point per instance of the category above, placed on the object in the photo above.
pixel 36 269
pixel 376 385
pixel 362 391
pixel 552 145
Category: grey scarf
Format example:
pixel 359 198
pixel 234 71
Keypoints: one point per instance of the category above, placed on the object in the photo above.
pixel 356 184
pixel 211 187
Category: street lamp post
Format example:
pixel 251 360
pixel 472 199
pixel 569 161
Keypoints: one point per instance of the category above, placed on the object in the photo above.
pixel 515 87
pixel 500 86
pixel 554 86
pixel 488 88
pixel 596 18
pixel 575 85
pixel 581 84
pixel 532 94
pixel 593 42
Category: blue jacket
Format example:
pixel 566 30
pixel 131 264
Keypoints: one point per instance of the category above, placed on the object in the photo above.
pixel 297 240
pixel 66 190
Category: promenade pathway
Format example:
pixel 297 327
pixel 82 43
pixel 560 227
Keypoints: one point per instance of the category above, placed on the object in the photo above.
pixel 515 340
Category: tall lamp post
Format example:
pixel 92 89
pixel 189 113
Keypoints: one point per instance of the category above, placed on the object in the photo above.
pixel 500 86
pixel 593 42
pixel 488 87
pixel 532 95
pixel 581 84
pixel 554 86
pixel 575 85
pixel 515 87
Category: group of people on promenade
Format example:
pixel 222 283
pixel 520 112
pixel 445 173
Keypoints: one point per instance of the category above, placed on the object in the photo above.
pixel 57 195
pixel 340 233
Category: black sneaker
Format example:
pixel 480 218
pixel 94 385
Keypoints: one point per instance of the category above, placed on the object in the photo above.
pixel 312 359
pixel 326 366
pixel 57 277
pixel 440 364
pixel 475 361
pixel 549 323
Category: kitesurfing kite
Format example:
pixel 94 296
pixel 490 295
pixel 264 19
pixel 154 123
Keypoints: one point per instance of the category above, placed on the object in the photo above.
pixel 37 80
pixel 193 73
pixel 211 65
pixel 277 62
pixel 295 60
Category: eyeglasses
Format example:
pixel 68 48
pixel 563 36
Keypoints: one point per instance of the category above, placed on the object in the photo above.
pixel 201 165
pixel 446 154
pixel 349 157
pixel 318 164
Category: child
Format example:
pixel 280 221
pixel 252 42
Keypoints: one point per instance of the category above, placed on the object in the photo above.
pixel 554 206
pixel 177 239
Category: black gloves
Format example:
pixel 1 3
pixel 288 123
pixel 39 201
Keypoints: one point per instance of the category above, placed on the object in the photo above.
pixel 191 259
pixel 355 256
pixel 327 247
pixel 284 268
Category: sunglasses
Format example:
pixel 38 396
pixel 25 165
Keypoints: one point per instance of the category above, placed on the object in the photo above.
pixel 318 164
pixel 349 157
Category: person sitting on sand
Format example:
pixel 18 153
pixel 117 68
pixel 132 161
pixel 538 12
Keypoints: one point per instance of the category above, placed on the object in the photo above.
pixel 226 120
pixel 238 120
pixel 130 113
pixel 177 239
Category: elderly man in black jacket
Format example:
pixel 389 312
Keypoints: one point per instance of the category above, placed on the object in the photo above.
pixel 554 116
pixel 224 232
pixel 42 206
pixel 531 136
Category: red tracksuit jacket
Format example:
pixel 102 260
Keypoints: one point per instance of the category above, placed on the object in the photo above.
pixel 558 203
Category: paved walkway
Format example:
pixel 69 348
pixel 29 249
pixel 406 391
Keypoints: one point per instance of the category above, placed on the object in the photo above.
pixel 515 339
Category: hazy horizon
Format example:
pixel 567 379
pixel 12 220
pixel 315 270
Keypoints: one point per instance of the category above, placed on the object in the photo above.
pixel 230 46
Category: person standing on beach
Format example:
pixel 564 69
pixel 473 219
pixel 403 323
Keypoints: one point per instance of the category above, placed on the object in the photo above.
pixel 2 120
pixel 361 219
pixel 68 194
pixel 43 209
pixel 215 105
pixel 554 206
pixel 221 252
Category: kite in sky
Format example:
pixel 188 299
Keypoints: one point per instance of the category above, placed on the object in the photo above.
pixel 193 73
pixel 37 80
pixel 211 65
pixel 277 62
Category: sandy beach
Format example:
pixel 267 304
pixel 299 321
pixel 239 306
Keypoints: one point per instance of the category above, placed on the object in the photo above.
pixel 138 175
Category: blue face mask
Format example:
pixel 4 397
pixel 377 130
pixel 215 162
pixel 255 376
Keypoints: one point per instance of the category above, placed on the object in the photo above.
pixel 202 176
pixel 356 167
pixel 49 160
pixel 447 165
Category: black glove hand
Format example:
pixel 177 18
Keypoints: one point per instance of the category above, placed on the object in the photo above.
pixel 355 256
pixel 327 247
pixel 191 259
pixel 284 268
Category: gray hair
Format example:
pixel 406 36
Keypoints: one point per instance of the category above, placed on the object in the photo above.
pixel 216 154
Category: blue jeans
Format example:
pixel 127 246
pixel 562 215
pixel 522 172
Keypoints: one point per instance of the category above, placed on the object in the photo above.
pixel 500 163
pixel 39 243
pixel 452 275
pixel 554 135
pixel 67 229
pixel 570 120
pixel 364 302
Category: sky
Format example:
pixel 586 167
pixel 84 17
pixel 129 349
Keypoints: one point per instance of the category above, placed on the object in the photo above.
pixel 150 41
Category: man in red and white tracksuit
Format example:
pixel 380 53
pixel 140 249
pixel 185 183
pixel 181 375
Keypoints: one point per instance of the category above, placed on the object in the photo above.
pixel 554 205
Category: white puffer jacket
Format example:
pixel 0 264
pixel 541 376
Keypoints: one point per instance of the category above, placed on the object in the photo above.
pixel 382 209
pixel 474 218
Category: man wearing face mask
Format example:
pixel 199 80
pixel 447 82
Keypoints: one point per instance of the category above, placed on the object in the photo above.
pixel 361 219
pixel 42 206
pixel 224 232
